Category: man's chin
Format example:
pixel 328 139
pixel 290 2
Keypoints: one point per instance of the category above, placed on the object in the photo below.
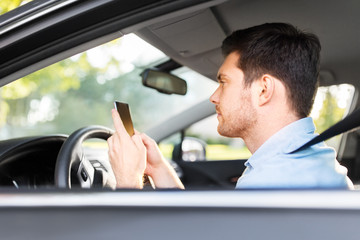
pixel 226 132
pixel 223 132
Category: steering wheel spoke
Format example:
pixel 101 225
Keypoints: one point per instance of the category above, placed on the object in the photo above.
pixel 71 158
pixel 85 173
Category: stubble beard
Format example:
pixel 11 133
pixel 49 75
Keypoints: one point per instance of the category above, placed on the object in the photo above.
pixel 240 123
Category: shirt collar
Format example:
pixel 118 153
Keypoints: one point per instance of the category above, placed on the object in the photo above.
pixel 299 132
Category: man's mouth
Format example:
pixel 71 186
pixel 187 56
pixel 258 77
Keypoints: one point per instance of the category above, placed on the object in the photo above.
pixel 218 111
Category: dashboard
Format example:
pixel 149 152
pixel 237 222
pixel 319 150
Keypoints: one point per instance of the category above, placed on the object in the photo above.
pixel 29 162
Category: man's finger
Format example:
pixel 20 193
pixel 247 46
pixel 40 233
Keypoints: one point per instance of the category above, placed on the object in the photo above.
pixel 138 141
pixel 118 124
pixel 146 139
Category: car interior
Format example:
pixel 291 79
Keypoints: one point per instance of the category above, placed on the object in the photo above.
pixel 194 40
pixel 189 35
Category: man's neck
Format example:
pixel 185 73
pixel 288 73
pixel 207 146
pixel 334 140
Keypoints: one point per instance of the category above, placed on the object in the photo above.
pixel 266 128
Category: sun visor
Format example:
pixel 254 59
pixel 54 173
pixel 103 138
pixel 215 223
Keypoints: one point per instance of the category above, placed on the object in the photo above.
pixel 192 34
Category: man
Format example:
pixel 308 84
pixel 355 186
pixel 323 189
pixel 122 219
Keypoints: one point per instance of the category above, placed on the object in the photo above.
pixel 267 85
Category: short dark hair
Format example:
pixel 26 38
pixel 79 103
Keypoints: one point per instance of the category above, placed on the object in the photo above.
pixel 283 51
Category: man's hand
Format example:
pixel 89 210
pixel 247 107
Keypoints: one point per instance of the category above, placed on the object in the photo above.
pixel 158 168
pixel 127 156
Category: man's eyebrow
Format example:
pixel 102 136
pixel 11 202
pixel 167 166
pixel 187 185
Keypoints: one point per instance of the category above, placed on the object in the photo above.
pixel 220 76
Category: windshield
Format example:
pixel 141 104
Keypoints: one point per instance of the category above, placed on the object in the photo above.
pixel 80 91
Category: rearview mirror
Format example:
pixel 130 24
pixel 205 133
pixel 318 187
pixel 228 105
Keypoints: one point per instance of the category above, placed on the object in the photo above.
pixel 163 82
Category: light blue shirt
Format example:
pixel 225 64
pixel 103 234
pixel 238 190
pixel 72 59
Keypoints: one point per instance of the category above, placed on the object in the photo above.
pixel 274 166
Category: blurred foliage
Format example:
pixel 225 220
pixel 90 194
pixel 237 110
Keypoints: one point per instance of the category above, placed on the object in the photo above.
pixel 60 77
pixel 226 152
pixel 74 76
pixel 77 92
pixel 330 113
pixel 8 5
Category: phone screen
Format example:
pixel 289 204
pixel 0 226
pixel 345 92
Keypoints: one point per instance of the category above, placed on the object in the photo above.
pixel 124 112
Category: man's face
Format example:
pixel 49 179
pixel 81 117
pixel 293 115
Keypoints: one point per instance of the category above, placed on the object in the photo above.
pixel 234 104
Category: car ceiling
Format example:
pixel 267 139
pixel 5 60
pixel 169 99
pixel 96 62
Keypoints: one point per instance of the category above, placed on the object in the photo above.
pixel 194 39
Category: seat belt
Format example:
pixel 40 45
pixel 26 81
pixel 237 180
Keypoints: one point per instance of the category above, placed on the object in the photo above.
pixel 351 122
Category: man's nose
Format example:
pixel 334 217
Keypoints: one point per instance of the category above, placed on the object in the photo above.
pixel 214 98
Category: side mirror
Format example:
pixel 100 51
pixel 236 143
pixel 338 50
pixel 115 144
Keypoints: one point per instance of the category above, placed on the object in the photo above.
pixel 163 82
pixel 190 150
pixel 193 150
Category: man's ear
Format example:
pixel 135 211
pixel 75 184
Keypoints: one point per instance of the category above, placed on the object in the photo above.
pixel 266 88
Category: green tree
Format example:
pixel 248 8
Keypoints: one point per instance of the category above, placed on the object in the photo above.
pixel 330 112
pixel 8 5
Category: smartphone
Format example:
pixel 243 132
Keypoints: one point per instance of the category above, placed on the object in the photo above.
pixel 124 112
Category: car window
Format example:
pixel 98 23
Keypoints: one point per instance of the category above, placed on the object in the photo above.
pixel 332 103
pixel 218 147
pixel 80 91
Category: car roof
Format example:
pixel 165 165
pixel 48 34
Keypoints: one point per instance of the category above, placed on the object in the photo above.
pixel 190 32
pixel 194 39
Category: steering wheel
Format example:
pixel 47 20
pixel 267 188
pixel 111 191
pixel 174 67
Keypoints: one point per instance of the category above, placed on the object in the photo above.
pixel 72 162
